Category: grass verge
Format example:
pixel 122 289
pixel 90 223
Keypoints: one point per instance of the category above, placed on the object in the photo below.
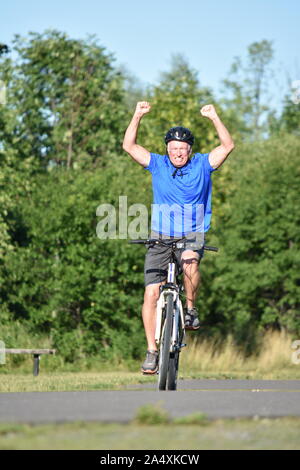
pixel 243 434
pixel 70 381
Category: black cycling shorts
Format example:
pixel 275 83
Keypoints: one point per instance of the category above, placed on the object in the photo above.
pixel 157 259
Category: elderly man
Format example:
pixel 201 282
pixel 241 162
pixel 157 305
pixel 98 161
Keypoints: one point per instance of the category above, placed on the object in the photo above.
pixel 181 179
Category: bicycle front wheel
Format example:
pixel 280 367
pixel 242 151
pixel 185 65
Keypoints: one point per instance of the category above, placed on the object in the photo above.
pixel 174 361
pixel 173 371
pixel 164 352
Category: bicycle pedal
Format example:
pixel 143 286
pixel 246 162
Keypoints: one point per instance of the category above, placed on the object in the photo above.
pixel 183 345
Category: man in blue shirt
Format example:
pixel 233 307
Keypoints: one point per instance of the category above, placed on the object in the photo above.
pixel 182 205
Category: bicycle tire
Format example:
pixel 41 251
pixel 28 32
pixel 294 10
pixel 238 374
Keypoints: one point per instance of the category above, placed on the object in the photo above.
pixel 174 362
pixel 173 371
pixel 164 352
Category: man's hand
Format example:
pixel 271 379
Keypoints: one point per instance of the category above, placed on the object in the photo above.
pixel 142 107
pixel 209 111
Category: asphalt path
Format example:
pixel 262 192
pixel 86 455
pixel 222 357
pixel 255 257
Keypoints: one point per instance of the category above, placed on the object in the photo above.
pixel 214 398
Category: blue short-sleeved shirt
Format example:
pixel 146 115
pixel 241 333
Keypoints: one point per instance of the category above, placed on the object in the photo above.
pixel 181 200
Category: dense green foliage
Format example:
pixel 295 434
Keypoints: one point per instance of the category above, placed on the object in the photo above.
pixel 67 99
pixel 61 279
pixel 60 158
pixel 255 280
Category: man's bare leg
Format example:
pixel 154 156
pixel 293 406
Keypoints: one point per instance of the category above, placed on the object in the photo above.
pixel 190 266
pixel 151 297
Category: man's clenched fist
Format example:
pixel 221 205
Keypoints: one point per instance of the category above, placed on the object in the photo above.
pixel 142 107
pixel 209 111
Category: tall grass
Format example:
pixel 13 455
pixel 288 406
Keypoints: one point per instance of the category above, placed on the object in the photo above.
pixel 203 357
pixel 210 357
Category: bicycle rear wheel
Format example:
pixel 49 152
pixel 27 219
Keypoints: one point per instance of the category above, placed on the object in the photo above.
pixel 164 352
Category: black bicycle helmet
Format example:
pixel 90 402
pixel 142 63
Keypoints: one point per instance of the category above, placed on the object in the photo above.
pixel 179 133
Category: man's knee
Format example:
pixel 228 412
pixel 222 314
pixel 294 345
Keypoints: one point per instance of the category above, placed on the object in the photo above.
pixel 190 261
pixel 151 294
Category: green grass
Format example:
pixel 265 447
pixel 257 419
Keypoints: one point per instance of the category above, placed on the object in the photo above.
pixel 243 434
pixel 70 381
pixel 150 414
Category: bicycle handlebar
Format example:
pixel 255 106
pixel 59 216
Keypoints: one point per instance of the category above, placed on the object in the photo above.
pixel 141 242
pixel 155 241
pixel 211 248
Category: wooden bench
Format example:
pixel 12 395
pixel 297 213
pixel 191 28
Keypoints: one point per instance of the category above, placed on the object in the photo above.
pixel 36 356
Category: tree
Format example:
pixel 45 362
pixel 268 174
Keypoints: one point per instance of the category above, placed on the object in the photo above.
pixel 15 171
pixel 247 87
pixel 67 98
pixel 63 106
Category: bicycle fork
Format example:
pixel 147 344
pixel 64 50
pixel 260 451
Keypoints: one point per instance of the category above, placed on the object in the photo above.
pixel 177 313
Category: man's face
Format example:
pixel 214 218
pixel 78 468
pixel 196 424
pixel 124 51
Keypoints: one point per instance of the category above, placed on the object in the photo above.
pixel 179 152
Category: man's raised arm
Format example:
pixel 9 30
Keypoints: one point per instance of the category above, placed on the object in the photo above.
pixel 137 152
pixel 219 154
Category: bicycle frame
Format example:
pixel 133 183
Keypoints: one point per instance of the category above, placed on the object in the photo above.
pixel 172 289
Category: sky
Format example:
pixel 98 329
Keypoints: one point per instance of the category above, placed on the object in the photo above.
pixel 143 36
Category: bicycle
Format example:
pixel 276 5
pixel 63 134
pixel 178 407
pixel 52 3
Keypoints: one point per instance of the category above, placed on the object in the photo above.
pixel 170 330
